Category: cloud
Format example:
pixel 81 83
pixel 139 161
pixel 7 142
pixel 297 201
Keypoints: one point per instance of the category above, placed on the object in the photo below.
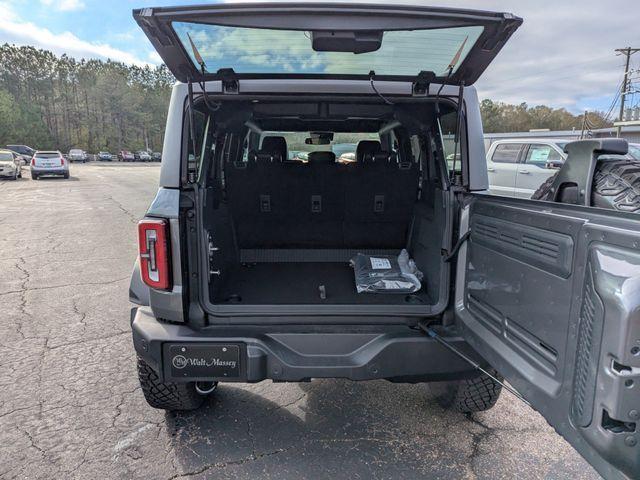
pixel 64 5
pixel 15 30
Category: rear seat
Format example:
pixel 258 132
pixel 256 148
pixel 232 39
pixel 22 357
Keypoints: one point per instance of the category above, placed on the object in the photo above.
pixel 379 198
pixel 281 204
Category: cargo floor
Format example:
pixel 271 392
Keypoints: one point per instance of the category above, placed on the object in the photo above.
pixel 300 284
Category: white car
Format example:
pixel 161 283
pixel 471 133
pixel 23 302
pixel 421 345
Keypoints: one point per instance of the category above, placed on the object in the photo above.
pixel 77 155
pixel 516 168
pixel 10 165
pixel 49 163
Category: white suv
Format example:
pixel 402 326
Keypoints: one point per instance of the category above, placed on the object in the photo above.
pixel 518 167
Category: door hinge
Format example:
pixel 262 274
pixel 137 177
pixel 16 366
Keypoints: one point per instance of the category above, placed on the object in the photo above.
pixel 423 80
pixel 229 79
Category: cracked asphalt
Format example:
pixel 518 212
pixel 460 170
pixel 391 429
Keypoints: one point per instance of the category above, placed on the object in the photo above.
pixel 71 406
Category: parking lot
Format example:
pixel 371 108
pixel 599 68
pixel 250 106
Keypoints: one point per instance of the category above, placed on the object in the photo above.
pixel 71 406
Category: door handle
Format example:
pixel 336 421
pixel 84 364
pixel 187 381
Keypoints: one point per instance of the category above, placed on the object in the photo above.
pixel 525 172
pixel 491 169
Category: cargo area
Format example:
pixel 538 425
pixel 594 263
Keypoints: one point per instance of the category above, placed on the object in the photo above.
pixel 282 223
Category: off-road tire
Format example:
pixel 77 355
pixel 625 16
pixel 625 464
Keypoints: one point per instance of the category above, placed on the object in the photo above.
pixel 616 186
pixel 164 395
pixel 467 396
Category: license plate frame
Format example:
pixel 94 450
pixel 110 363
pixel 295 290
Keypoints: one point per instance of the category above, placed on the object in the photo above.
pixel 204 361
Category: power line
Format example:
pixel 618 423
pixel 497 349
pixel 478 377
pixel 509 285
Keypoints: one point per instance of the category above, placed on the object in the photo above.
pixel 627 52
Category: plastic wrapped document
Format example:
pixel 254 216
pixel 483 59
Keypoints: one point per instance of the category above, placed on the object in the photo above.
pixel 386 274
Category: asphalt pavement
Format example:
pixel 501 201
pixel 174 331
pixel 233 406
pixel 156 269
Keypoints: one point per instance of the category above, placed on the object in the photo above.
pixel 71 405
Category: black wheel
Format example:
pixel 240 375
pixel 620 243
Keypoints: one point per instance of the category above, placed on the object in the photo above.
pixel 616 186
pixel 167 396
pixel 66 175
pixel 34 176
pixel 472 395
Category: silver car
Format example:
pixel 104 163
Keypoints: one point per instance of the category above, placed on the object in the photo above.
pixel 77 155
pixel 49 163
pixel 10 165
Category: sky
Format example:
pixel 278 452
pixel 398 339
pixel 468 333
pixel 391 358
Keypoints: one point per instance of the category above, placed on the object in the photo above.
pixel 562 56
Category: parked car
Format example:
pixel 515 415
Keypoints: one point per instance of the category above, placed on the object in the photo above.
pixel 156 156
pixel 105 156
pixel 77 155
pixel 24 151
pixel 518 167
pixel 10 164
pixel 244 272
pixel 143 156
pixel 126 156
pixel 46 163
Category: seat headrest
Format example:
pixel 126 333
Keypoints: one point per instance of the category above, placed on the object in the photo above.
pixel 322 158
pixel 264 156
pixel 275 145
pixel 367 149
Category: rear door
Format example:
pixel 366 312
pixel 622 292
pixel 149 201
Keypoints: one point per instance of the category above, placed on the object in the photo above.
pixel 325 40
pixel 502 168
pixel 539 162
pixel 549 294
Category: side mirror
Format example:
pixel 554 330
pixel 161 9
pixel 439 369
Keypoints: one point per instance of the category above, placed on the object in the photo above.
pixel 554 165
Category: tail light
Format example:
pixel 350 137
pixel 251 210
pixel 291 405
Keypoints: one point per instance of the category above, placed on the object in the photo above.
pixel 153 243
pixel 61 160
pixel 33 161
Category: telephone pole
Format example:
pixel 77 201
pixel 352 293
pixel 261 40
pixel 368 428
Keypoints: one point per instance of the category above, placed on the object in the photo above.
pixel 625 83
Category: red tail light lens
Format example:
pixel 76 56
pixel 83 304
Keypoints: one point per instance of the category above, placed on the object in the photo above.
pixel 61 160
pixel 33 161
pixel 153 243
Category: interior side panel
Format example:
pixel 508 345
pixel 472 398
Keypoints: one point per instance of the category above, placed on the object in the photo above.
pixel 549 294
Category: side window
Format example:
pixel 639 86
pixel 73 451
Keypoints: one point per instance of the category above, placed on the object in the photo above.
pixel 454 156
pixel 506 153
pixel 541 154
pixel 194 157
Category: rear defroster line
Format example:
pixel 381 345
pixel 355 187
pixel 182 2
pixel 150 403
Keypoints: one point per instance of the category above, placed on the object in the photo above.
pixel 433 334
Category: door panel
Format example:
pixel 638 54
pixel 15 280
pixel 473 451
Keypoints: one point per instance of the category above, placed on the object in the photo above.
pixel 549 294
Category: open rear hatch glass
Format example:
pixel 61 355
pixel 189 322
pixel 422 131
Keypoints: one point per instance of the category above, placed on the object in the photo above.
pixel 326 40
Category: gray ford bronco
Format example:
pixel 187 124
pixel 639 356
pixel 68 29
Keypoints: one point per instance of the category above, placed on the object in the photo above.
pixel 300 137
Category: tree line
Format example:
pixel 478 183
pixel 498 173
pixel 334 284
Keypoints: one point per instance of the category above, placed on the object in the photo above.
pixel 58 102
pixel 498 117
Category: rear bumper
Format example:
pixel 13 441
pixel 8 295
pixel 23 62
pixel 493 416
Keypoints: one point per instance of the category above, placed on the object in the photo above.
pixel 49 171
pixel 286 353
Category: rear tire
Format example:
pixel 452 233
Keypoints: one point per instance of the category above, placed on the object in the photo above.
pixel 34 176
pixel 467 396
pixel 66 176
pixel 616 186
pixel 165 395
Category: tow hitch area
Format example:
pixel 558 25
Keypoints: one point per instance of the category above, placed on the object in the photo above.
pixel 202 361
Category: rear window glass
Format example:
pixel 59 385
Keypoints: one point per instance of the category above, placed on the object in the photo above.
pixel 260 50
pixel 5 157
pixel 344 145
pixel 507 153
pixel 48 155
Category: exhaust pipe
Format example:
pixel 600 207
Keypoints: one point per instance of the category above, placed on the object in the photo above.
pixel 205 388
